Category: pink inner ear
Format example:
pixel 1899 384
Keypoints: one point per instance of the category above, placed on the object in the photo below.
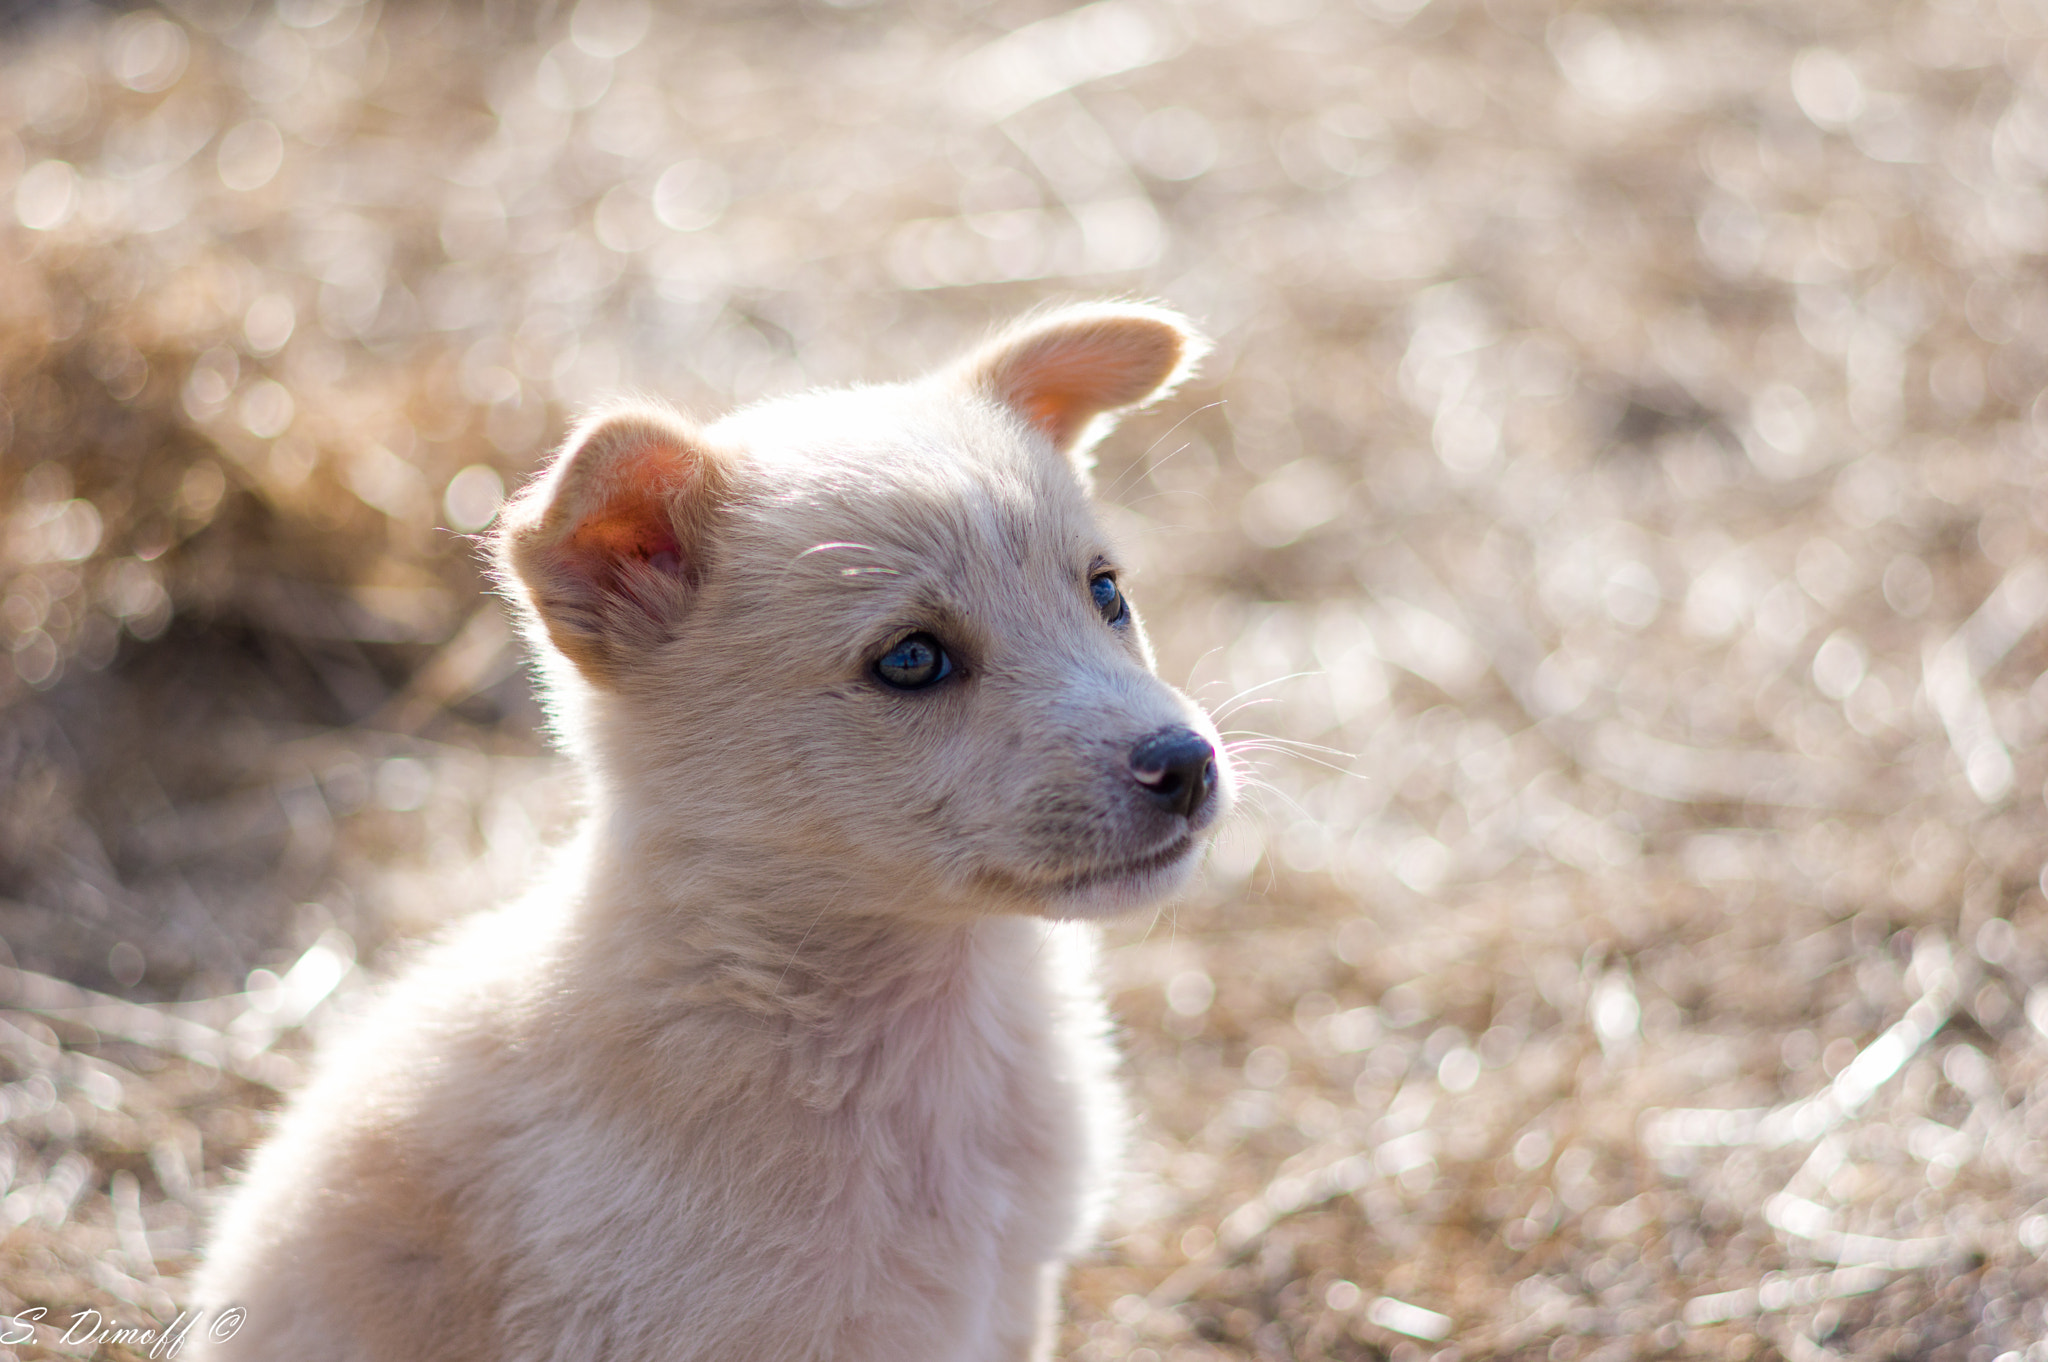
pixel 1061 396
pixel 633 528
pixel 1062 379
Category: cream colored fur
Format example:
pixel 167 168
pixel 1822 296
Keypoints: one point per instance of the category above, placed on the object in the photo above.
pixel 797 1055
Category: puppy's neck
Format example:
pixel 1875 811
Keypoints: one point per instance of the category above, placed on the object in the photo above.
pixel 791 944
pixel 831 1001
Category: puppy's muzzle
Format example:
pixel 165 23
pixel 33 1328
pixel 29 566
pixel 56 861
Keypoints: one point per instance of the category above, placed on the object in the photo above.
pixel 1176 768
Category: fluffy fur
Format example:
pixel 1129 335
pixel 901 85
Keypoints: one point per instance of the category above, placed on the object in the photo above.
pixel 798 1055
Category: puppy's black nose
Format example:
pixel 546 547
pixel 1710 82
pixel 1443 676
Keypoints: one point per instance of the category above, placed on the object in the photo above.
pixel 1177 768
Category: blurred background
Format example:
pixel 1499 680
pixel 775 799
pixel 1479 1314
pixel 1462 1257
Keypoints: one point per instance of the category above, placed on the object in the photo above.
pixel 1614 525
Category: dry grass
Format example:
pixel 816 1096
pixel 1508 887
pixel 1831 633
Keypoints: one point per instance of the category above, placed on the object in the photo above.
pixel 1614 517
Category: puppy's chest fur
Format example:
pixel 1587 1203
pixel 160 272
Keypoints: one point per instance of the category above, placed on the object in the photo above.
pixel 919 1113
pixel 894 1129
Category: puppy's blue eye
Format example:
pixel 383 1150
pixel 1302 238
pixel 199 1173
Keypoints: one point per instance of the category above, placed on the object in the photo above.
pixel 1108 599
pixel 916 661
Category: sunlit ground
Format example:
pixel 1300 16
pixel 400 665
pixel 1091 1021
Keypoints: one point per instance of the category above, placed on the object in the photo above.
pixel 1614 522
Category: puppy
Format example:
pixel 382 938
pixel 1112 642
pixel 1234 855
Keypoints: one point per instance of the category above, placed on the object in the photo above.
pixel 789 1060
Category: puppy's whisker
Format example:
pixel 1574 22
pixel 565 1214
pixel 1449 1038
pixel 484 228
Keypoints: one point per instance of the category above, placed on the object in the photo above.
pixel 1146 463
pixel 1344 771
pixel 1151 925
pixel 828 548
pixel 1261 742
pixel 845 547
pixel 1138 469
pixel 1230 706
pixel 1256 799
pixel 1188 682
pixel 1167 434
pixel 1263 785
pixel 1292 744
pixel 798 949
pixel 1202 497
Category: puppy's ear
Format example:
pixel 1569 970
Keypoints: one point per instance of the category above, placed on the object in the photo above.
pixel 609 541
pixel 1065 372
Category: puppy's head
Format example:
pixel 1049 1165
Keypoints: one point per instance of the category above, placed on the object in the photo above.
pixel 876 636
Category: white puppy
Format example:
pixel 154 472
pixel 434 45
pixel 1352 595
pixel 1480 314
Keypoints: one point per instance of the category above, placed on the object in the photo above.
pixel 790 1060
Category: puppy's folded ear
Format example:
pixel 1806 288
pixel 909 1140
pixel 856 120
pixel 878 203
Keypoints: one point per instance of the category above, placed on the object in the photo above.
pixel 1066 371
pixel 609 542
